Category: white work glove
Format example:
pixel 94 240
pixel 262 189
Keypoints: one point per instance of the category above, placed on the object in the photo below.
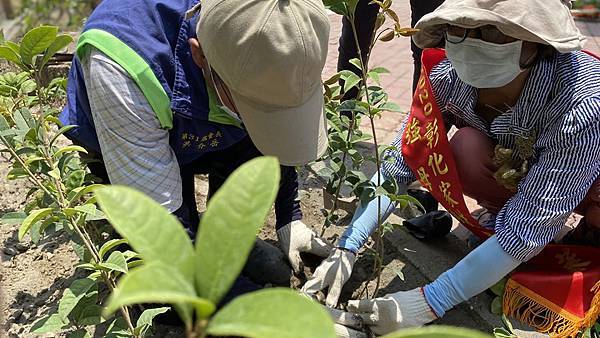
pixel 295 238
pixel 393 312
pixel 333 274
pixel 347 325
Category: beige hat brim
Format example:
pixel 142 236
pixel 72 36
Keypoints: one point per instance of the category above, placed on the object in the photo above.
pixel 296 135
pixel 541 21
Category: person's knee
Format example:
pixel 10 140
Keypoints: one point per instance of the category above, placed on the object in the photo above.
pixel 473 152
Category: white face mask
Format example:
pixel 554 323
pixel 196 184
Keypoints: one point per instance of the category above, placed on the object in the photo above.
pixel 484 64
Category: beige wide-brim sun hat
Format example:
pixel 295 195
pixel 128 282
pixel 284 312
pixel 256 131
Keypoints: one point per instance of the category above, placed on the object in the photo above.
pixel 543 21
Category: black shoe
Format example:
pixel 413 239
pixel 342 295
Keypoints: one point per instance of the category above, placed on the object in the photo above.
pixel 434 224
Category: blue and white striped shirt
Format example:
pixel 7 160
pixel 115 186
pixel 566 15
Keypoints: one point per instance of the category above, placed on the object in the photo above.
pixel 560 104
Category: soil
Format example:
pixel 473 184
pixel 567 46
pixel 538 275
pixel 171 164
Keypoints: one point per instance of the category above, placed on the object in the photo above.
pixel 35 276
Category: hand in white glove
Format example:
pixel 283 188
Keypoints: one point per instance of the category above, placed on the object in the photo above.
pixel 295 238
pixel 395 311
pixel 333 274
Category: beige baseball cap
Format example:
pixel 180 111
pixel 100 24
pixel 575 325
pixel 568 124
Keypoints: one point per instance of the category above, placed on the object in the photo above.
pixel 544 21
pixel 270 54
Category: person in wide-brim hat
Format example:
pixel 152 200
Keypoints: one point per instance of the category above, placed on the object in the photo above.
pixel 526 102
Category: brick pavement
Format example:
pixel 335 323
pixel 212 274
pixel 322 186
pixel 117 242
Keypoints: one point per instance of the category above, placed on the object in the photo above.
pixel 396 57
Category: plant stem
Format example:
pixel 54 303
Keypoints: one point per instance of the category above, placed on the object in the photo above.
pixel 32 178
pixel 81 232
pixel 351 127
pixel 364 73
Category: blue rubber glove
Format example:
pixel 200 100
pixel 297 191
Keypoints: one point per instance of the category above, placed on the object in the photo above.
pixel 478 271
pixel 364 222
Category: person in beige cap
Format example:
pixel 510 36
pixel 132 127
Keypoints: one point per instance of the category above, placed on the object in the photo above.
pixel 159 95
pixel 514 77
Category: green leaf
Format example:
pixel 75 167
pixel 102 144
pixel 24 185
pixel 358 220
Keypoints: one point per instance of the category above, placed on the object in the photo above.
pixel 8 54
pixel 437 331
pixel 75 179
pixel 16 173
pixel 106 247
pixel 149 228
pixel 77 193
pixel 69 148
pixel 115 262
pixel 399 273
pixel 61 131
pixel 11 218
pixel 20 120
pixel 272 313
pixel 351 5
pixel 503 333
pixel 351 81
pixel 48 324
pixel 36 41
pixel 157 283
pixel 356 63
pixel 496 306
pixel 380 70
pixel 3 124
pixel 90 315
pixel 391 107
pixel 146 318
pixel 230 224
pixel 498 288
pixel 27 87
pixel 81 333
pixel 15 47
pixel 33 217
pixel 117 329
pixel 61 41
pixel 73 295
pixel 336 6
pixel 55 173
pixel 92 213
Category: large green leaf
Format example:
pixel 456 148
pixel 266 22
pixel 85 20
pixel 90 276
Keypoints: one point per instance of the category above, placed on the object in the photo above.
pixel 149 228
pixel 36 41
pixel 51 323
pixel 111 244
pixel 71 297
pixel 33 217
pixel 59 43
pixel 157 283
pixel 146 318
pixel 336 6
pixel 230 224
pixel 272 313
pixel 8 54
pixel 115 262
pixel 438 331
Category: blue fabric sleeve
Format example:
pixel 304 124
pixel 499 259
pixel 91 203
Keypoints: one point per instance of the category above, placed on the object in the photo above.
pixel 364 222
pixel 478 271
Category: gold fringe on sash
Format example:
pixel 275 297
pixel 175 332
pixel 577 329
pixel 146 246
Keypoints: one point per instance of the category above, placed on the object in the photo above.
pixel 530 308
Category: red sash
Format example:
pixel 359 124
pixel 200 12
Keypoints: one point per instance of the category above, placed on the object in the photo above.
pixel 556 292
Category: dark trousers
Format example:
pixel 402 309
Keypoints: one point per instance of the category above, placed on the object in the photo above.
pixel 366 14
pixel 218 166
